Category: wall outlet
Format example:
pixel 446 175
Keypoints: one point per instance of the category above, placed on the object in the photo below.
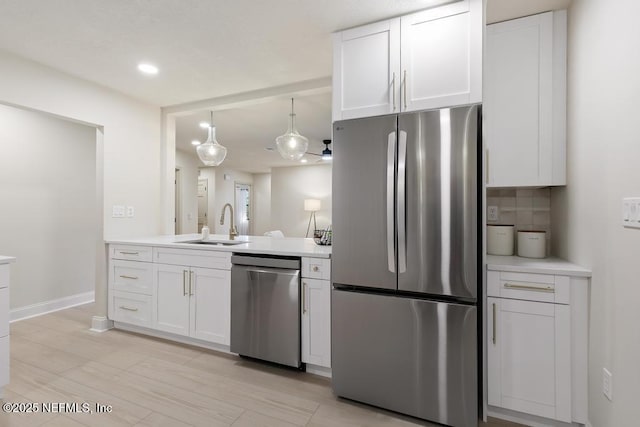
pixel 607 383
pixel 492 213
pixel 130 211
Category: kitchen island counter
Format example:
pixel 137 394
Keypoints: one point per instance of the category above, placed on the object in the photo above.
pixel 286 246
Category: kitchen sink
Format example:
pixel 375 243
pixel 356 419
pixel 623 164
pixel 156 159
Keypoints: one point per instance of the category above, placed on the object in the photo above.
pixel 214 242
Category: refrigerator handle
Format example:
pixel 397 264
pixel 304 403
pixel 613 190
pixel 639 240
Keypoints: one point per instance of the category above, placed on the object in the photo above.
pixel 402 226
pixel 391 160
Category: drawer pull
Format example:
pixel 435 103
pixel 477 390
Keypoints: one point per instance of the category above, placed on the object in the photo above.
pixel 304 303
pixel 128 277
pixel 128 308
pixel 549 289
pixel 315 268
pixel 129 253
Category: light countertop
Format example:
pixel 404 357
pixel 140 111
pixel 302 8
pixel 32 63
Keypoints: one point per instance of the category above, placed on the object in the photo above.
pixel 6 259
pixel 289 246
pixel 549 265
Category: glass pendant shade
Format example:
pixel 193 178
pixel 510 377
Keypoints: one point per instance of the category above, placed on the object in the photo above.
pixel 211 153
pixel 292 145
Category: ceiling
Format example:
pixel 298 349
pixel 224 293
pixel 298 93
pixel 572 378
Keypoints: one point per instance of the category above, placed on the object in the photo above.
pixel 207 49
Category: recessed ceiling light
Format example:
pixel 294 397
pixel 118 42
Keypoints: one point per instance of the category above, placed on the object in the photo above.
pixel 204 125
pixel 148 69
pixel 195 142
pixel 303 161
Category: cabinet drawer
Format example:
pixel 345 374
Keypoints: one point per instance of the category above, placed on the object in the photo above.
pixel 316 268
pixel 528 286
pixel 4 361
pixel 4 275
pixel 4 312
pixel 131 276
pixel 130 308
pixel 134 253
pixel 193 258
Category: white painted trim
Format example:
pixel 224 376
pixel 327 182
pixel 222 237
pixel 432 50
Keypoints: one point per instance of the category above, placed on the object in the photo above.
pixel 101 324
pixel 172 337
pixel 527 419
pixel 319 370
pixel 45 307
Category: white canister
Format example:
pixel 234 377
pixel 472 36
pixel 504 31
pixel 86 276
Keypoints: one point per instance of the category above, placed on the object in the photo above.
pixel 532 244
pixel 205 232
pixel 500 239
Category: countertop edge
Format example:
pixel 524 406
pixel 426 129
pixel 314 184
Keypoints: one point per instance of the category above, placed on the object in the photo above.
pixel 7 259
pixel 243 247
pixel 550 265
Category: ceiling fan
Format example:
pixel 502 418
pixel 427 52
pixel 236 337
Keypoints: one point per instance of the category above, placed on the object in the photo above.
pixel 326 154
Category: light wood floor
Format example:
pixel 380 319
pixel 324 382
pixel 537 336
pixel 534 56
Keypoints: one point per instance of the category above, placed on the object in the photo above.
pixel 151 382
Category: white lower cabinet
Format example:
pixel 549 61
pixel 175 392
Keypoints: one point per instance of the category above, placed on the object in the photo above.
pixel 4 327
pixel 529 357
pixel 316 322
pixel 193 302
pixel 537 345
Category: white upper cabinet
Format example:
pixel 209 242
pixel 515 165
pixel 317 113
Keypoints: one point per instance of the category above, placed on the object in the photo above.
pixel 525 101
pixel 429 59
pixel 441 56
pixel 366 66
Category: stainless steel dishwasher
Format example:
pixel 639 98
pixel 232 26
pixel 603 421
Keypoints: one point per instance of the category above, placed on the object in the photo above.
pixel 265 308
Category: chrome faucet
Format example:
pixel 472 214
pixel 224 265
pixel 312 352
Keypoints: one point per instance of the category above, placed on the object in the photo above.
pixel 233 232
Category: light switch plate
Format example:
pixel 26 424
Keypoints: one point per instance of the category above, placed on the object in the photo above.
pixel 118 211
pixel 130 211
pixel 631 212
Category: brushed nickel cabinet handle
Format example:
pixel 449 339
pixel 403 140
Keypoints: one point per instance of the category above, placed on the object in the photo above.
pixel 393 89
pixel 514 286
pixel 184 283
pixel 128 308
pixel 191 283
pixel 493 338
pixel 304 302
pixel 315 268
pixel 129 253
pixel 405 90
pixel 128 277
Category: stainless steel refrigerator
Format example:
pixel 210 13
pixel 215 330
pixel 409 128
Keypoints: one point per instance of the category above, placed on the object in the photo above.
pixel 405 263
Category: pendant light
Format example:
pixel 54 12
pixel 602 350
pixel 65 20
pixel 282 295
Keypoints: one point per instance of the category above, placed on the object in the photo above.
pixel 292 145
pixel 211 152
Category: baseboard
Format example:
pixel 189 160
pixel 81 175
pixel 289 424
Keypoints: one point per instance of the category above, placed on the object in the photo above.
pixel 527 419
pixel 101 324
pixel 45 307
pixel 319 370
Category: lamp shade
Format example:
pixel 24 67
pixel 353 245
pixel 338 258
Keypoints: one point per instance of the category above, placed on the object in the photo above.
pixel 311 205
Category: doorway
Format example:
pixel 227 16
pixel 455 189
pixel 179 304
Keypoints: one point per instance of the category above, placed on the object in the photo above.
pixel 243 208
pixel 203 203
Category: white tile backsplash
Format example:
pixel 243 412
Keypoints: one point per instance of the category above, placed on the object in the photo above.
pixel 527 209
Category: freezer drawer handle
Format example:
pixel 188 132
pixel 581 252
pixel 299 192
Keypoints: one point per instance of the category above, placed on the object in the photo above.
pixel 128 277
pixel 549 289
pixel 128 308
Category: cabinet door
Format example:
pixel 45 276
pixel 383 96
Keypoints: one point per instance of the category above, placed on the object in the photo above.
pixel 316 322
pixel 171 298
pixel 441 56
pixel 366 63
pixel 210 291
pixel 528 352
pixel 524 104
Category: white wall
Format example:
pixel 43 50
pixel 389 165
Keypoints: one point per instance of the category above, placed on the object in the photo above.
pixel 261 203
pixel 209 173
pixel 129 155
pixel 47 200
pixel 225 193
pixel 289 187
pixel 188 165
pixel 603 152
